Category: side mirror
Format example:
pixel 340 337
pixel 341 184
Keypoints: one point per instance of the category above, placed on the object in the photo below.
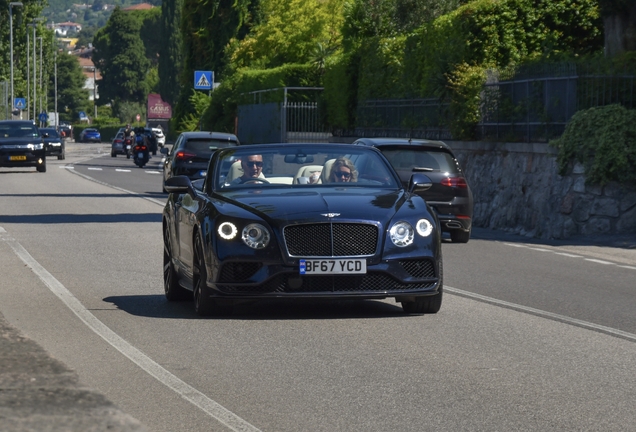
pixel 419 183
pixel 45 135
pixel 179 185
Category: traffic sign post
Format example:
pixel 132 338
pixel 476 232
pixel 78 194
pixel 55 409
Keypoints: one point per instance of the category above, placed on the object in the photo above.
pixel 19 103
pixel 203 80
pixel 43 117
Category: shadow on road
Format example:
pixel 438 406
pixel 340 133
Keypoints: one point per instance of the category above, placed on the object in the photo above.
pixel 48 219
pixel 156 306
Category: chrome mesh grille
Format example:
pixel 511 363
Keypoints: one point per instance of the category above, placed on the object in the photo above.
pixel 331 239
pixel 238 271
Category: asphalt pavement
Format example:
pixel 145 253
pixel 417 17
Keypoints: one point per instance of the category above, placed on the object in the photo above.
pixel 39 393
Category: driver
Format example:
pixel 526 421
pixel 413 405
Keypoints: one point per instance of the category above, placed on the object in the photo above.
pixel 252 168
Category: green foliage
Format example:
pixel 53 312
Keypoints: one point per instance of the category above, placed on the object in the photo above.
pixel 120 56
pixel 290 32
pixel 603 139
pixel 71 95
pixel 127 111
pixel 170 53
pixel 466 83
pixel 150 28
pixel 341 86
pixel 192 121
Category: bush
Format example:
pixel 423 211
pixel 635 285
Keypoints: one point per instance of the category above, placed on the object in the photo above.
pixel 603 139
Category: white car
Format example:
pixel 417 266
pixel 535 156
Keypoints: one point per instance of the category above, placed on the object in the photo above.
pixel 161 138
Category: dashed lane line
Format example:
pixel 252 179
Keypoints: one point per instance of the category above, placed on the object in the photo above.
pixel 598 261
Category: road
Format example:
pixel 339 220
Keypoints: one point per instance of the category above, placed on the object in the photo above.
pixel 531 335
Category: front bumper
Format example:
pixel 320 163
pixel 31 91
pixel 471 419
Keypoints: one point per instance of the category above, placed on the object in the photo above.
pixel 22 158
pixel 54 149
pixel 393 278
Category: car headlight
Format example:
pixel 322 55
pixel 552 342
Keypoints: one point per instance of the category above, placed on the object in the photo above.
pixel 227 230
pixel 256 236
pixel 424 227
pixel 401 234
pixel 38 146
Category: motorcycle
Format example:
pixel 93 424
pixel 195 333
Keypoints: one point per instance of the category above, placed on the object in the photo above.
pixel 128 146
pixel 141 154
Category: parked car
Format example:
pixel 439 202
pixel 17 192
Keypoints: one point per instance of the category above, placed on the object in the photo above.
pixel 21 145
pixel 117 146
pixel 159 135
pixel 191 152
pixel 235 239
pixel 90 135
pixel 53 143
pixel 450 194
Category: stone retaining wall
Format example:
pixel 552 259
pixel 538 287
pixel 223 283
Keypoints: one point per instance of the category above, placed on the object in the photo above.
pixel 517 188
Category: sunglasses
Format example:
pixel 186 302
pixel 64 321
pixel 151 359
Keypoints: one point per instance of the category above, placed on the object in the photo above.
pixel 342 174
pixel 250 163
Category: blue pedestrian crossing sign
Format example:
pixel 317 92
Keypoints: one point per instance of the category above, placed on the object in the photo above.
pixel 203 80
pixel 19 103
pixel 43 117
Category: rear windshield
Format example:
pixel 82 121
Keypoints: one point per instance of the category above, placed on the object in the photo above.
pixel 425 160
pixel 52 133
pixel 18 131
pixel 207 145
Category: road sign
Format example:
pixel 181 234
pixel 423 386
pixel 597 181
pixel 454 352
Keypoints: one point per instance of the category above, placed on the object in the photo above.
pixel 19 103
pixel 203 80
pixel 43 117
pixel 82 115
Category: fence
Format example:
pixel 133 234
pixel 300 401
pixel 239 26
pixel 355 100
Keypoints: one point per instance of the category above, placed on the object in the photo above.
pixel 288 114
pixel 536 104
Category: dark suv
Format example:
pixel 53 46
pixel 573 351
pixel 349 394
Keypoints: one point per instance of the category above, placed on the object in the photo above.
pixel 450 196
pixel 21 145
pixel 190 154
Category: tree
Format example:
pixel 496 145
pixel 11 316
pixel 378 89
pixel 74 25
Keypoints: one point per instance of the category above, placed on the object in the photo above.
pixel 86 36
pixel 291 31
pixel 120 56
pixel 170 53
pixel 71 95
pixel 619 21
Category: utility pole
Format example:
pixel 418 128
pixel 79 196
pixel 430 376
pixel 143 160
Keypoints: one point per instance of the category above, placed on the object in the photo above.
pixel 41 72
pixel 95 92
pixel 56 114
pixel 11 5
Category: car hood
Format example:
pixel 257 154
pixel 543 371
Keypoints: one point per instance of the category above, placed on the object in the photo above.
pixel 19 140
pixel 317 204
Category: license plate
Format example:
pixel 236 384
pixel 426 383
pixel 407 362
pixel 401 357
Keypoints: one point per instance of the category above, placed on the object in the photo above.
pixel 17 158
pixel 140 155
pixel 333 266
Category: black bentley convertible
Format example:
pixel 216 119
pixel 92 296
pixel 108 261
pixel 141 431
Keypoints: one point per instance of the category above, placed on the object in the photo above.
pixel 312 221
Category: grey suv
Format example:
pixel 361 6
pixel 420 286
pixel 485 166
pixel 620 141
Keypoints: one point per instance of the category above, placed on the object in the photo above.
pixel 450 196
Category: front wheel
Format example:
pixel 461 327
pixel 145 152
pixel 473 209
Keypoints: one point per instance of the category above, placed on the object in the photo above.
pixel 41 168
pixel 428 304
pixel 172 289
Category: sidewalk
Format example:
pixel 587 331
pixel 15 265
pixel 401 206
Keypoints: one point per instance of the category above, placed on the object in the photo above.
pixel 39 393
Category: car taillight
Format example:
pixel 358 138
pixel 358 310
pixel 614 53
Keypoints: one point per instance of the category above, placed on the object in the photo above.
pixel 458 182
pixel 181 155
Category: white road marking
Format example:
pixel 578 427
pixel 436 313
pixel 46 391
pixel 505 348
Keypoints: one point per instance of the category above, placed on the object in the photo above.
pixel 598 261
pixel 122 170
pixel 187 392
pixel 66 167
pixel 544 314
pixel 568 255
pixel 153 172
pixel 628 267
pixel 94 169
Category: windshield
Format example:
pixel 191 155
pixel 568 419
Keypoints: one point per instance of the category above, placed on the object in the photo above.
pixel 24 130
pixel 408 159
pixel 206 144
pixel 304 166
pixel 52 133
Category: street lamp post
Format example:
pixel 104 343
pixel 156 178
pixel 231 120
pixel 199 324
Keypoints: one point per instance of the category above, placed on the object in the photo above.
pixel 41 71
pixel 94 93
pixel 11 5
pixel 29 101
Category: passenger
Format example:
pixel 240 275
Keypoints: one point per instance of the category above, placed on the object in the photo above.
pixel 343 171
pixel 252 168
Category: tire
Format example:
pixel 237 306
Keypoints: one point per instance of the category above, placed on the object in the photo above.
pixel 113 154
pixel 62 156
pixel 428 304
pixel 41 168
pixel 127 156
pixel 203 304
pixel 172 289
pixel 460 236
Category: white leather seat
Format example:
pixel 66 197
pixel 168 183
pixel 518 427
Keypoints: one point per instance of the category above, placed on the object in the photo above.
pixel 307 171
pixel 326 170
pixel 236 171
